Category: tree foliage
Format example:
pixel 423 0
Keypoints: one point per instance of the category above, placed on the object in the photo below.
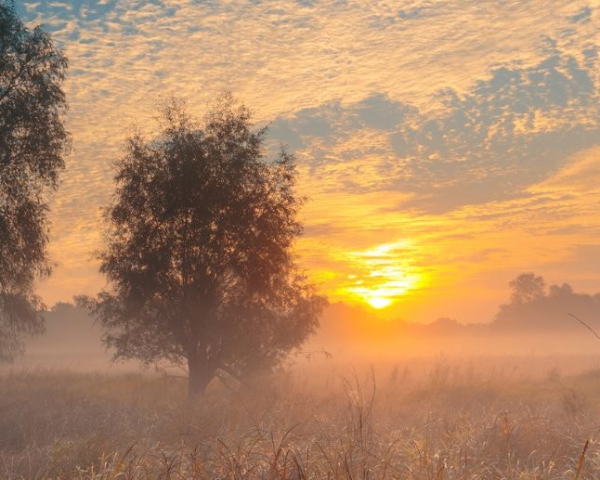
pixel 33 142
pixel 534 307
pixel 199 249
pixel 527 287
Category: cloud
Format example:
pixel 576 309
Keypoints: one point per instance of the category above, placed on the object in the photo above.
pixel 506 133
pixel 584 15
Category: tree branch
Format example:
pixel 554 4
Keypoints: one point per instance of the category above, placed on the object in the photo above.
pixel 13 81
pixel 585 325
pixel 232 374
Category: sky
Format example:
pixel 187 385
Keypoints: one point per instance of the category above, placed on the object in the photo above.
pixel 445 146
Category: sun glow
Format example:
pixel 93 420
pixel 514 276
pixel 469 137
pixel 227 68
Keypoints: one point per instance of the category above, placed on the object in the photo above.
pixel 385 275
pixel 379 302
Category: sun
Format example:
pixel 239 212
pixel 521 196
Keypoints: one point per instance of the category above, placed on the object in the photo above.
pixel 381 293
pixel 379 302
pixel 383 275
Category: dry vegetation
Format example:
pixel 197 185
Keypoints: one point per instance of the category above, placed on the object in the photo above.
pixel 441 421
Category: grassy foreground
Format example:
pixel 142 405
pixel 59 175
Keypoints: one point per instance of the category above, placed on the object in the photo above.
pixel 446 423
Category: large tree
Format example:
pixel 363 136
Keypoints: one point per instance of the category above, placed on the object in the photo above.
pixel 33 142
pixel 199 249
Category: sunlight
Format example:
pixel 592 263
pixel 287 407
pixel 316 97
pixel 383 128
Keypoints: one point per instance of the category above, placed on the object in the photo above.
pixel 385 274
pixel 379 302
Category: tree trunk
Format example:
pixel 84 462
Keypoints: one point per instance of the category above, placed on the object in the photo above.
pixel 199 376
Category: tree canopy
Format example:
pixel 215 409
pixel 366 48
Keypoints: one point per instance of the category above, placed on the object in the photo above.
pixel 532 306
pixel 526 288
pixel 199 249
pixel 33 142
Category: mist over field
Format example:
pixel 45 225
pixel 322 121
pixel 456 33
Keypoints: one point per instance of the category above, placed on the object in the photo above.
pixel 365 397
pixel 559 323
pixel 375 408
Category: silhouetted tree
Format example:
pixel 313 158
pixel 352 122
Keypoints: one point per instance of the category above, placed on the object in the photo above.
pixel 33 142
pixel 534 307
pixel 199 250
pixel 527 287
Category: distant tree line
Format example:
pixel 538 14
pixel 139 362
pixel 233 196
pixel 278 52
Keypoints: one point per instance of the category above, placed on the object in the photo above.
pixel 534 306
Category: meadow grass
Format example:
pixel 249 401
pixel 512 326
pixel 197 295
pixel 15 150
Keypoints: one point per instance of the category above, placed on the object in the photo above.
pixel 441 422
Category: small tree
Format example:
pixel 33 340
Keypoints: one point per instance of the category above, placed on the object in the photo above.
pixel 199 250
pixel 527 287
pixel 33 142
pixel 528 304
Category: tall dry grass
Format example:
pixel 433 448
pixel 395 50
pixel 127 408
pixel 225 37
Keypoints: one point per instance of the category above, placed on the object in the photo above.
pixel 445 422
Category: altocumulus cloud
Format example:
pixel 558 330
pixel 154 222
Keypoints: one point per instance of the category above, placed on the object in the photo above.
pixel 507 132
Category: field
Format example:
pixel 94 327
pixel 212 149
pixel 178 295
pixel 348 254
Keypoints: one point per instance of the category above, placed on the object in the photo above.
pixel 437 420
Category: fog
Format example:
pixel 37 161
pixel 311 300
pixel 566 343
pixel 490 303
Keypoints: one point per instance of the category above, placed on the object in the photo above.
pixel 554 323
pixel 364 398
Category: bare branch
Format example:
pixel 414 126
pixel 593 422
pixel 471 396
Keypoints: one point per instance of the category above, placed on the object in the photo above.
pixel 585 325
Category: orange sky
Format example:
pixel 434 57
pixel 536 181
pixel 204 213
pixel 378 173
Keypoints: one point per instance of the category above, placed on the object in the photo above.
pixel 445 146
